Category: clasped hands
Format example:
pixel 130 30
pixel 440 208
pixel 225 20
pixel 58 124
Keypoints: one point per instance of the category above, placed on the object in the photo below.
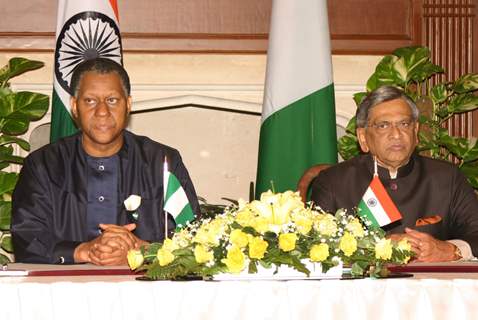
pixel 109 248
pixel 426 247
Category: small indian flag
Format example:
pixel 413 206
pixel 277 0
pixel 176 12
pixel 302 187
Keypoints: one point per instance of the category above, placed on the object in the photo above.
pixel 176 202
pixel 377 206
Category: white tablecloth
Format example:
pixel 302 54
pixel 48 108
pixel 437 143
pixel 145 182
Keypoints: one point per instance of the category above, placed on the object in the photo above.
pixel 122 297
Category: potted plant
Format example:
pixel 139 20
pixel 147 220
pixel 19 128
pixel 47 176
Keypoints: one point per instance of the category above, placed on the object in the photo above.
pixel 17 109
pixel 411 69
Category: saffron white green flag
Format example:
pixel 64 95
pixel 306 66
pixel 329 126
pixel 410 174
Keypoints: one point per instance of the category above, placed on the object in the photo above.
pixel 85 30
pixel 176 202
pixel 377 206
pixel 298 118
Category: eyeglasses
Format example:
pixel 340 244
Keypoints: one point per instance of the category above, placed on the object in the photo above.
pixel 385 126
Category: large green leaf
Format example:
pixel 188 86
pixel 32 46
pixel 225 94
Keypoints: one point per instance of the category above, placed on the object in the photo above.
pixel 4 259
pixel 466 83
pixel 5 139
pixel 18 109
pixel 387 72
pixel 8 180
pixel 7 244
pixel 5 215
pixel 463 103
pixel 359 97
pixel 351 126
pixel 456 145
pixel 439 93
pixel 471 154
pixel 470 170
pixel 348 146
pixel 17 66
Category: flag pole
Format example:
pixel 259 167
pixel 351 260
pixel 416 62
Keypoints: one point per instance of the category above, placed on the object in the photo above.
pixel 165 187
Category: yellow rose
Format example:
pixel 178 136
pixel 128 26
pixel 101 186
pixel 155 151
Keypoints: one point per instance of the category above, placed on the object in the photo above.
pixel 355 227
pixel 170 245
pixel 244 217
pixel 319 252
pixel 165 257
pixel 303 224
pixel 260 224
pixel 326 225
pixel 238 238
pixel 383 249
pixel 287 241
pixel 235 260
pixel 135 259
pixel 404 245
pixel 257 248
pixel 203 255
pixel 348 244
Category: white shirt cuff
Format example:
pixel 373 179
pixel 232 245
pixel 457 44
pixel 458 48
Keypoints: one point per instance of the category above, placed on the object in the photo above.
pixel 464 248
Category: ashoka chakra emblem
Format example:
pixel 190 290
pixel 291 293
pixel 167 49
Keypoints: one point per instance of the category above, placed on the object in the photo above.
pixel 85 36
pixel 371 202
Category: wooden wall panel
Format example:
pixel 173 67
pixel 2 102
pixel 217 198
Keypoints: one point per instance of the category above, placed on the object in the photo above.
pixel 357 26
pixel 448 32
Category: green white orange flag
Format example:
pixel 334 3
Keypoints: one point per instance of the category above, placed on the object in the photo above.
pixel 85 30
pixel 376 205
pixel 176 202
pixel 298 117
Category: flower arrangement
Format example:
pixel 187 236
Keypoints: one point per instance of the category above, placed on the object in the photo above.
pixel 277 230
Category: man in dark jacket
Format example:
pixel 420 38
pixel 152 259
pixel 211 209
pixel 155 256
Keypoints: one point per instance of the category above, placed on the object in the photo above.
pixel 439 208
pixel 68 205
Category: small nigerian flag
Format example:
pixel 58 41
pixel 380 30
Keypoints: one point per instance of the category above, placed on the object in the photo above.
pixel 176 202
pixel 376 205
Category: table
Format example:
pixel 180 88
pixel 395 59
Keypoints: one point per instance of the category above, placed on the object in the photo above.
pixel 425 296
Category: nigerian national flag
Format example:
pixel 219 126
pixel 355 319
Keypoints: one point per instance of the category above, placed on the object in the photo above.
pixel 377 206
pixel 176 202
pixel 85 30
pixel 298 120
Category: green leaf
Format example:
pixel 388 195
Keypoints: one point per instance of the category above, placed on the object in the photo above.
pixel 5 215
pixel 17 66
pixel 386 73
pixel 463 103
pixel 6 139
pixel 439 93
pixel 359 97
pixel 18 109
pixel 466 83
pixel 4 259
pixel 456 145
pixel 414 64
pixel 7 244
pixel 8 180
pixel 348 146
pixel 470 170
pixel 471 154
pixel 351 126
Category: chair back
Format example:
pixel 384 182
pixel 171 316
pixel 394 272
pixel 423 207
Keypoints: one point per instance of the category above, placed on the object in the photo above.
pixel 307 177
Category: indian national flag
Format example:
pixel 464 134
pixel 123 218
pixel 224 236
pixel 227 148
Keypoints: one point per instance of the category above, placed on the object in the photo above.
pixel 85 30
pixel 377 206
pixel 176 202
pixel 298 118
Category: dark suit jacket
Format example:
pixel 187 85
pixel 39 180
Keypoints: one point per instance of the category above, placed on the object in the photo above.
pixel 424 187
pixel 50 198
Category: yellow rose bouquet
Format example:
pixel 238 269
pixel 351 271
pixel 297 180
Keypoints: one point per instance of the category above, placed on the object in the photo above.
pixel 279 229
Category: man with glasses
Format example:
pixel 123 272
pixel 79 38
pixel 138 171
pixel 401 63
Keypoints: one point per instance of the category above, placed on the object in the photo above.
pixel 439 208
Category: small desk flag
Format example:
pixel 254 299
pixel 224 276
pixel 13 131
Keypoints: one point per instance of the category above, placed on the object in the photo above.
pixel 376 205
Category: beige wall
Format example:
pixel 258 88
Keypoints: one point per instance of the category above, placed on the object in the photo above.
pixel 219 148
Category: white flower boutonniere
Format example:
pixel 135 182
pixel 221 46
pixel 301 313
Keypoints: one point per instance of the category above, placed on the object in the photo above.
pixel 131 204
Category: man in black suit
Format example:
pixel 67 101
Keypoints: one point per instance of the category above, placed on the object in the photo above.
pixel 439 208
pixel 68 203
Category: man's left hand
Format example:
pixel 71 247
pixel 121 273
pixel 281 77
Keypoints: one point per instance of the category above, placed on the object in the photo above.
pixel 429 249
